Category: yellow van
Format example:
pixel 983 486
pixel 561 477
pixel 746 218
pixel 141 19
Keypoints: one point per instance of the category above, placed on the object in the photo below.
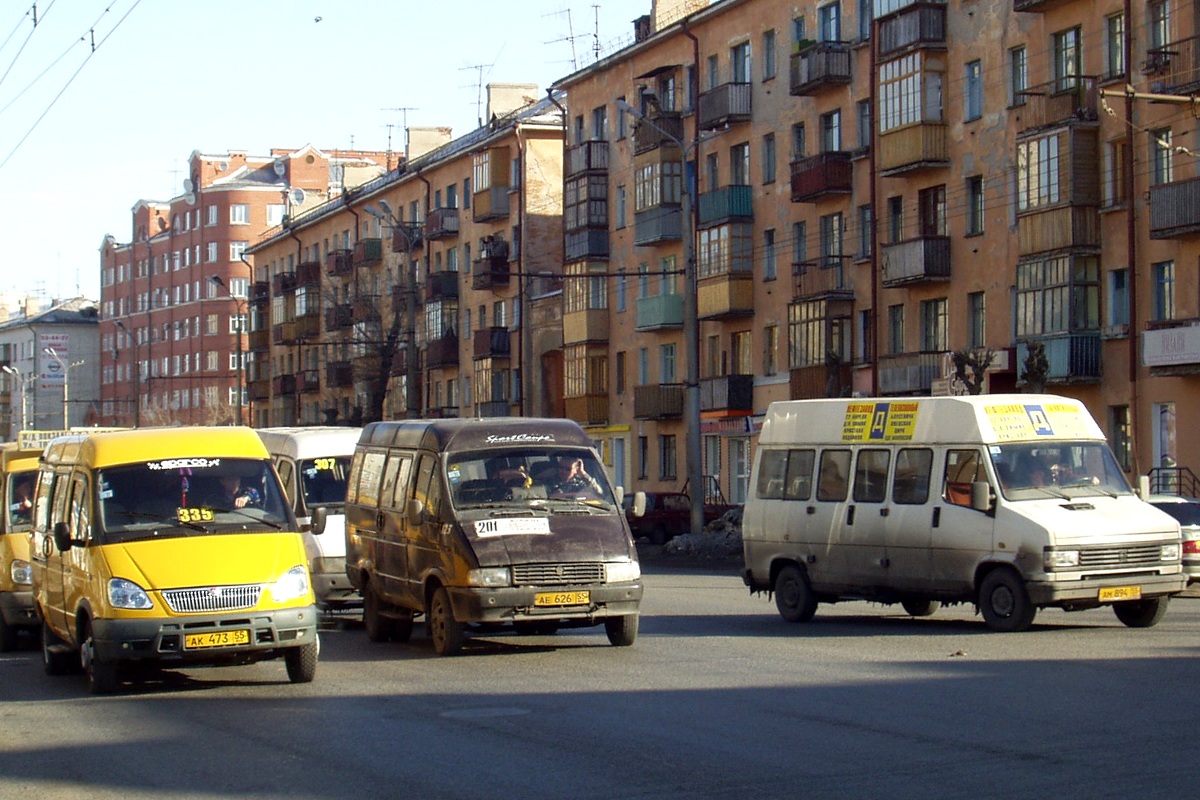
pixel 168 547
pixel 18 476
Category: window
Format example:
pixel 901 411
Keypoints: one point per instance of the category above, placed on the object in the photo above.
pixel 864 123
pixel 831 132
pixel 237 250
pixel 799 141
pixel 600 124
pixel 726 249
pixel 768 158
pixel 1114 41
pixel 643 456
pixel 831 480
pixel 739 62
pixel 870 476
pixel 619 372
pixel 770 268
pixel 829 23
pixel 713 73
pixel 910 485
pixel 1158 13
pixel 211 211
pixel 895 219
pixel 666 363
pixel 1037 173
pixel 907 93
pixel 973 88
pixel 931 205
pixel 1057 294
pixel 974 192
pixel 239 214
pixel 799 242
pixel 739 165
pixel 622 202
pixel 668 460
pixel 1120 435
pixel 896 329
pixel 1164 289
pixel 1161 164
pixel 768 51
pixel 1018 76
pixel 770 348
pixel 1112 176
pixel 865 224
pixel 963 467
pixel 976 320
pixel 210 252
pixel 933 325
pixel 1068 58
pixel 1118 297
pixel 831 239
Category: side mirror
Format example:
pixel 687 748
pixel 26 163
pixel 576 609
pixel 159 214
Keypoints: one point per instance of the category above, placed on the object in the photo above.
pixel 639 503
pixel 317 520
pixel 62 537
pixel 1143 487
pixel 981 496
pixel 415 512
pixel 619 492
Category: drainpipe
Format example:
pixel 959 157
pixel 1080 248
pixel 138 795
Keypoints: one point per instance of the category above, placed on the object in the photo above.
pixel 412 296
pixel 525 343
pixel 874 332
pixel 299 342
pixel 525 380
pixel 1131 237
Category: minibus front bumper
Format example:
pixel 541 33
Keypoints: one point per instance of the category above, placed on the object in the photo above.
pixel 17 608
pixel 520 603
pixel 1088 592
pixel 206 638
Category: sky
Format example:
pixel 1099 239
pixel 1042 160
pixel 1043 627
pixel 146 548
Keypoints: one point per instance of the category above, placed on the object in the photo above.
pixel 102 101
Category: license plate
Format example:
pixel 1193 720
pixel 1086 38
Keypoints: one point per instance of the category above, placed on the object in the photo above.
pixel 562 598
pixel 198 641
pixel 1121 593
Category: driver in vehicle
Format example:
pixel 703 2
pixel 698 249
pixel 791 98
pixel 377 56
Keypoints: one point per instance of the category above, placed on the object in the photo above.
pixel 574 479
pixel 232 494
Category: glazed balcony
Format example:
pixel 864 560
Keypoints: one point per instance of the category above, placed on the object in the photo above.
pixel 663 401
pixel 490 204
pixel 340 262
pixel 926 258
pixel 727 104
pixel 586 157
pixel 827 278
pixel 1175 209
pixel 822 175
pixel 820 380
pixel 664 311
pixel 441 223
pixel 1172 347
pixel 1071 101
pixel 662 223
pixel 914 27
pixel 590 409
pixel 339 317
pixel 284 333
pixel 919 146
pixel 727 393
pixel 339 374
pixel 1057 228
pixel 308 326
pixel 590 325
pixel 491 343
pixel 442 352
pixel 308 274
pixel 587 243
pixel 259 341
pixel 1073 357
pixel 259 389
pixel 1174 69
pixel 664 128
pixel 308 381
pixel 725 296
pixel 368 252
pixel 260 293
pixel 909 373
pixel 727 204
pixel 284 385
pixel 820 66
pixel 441 286
pixel 283 282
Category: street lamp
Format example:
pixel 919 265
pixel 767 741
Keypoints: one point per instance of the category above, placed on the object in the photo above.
pixel 137 375
pixel 25 380
pixel 691 325
pixel 411 232
pixel 240 304
pixel 66 368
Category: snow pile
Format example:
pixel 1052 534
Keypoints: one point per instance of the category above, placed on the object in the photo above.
pixel 721 540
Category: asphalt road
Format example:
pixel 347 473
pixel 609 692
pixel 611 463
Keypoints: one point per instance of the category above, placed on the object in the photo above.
pixel 719 698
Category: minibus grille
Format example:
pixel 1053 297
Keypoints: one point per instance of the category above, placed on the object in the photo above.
pixel 212 598
pixel 554 574
pixel 1128 556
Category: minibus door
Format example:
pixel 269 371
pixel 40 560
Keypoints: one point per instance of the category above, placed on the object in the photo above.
pixel 50 593
pixel 867 519
pixel 909 541
pixel 961 535
pixel 393 528
pixel 77 562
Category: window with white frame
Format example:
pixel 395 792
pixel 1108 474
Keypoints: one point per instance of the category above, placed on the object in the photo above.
pixel 239 214
pixel 237 250
pixel 1037 172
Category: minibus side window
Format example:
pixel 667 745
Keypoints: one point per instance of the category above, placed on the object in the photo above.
pixel 352 481
pixel 400 495
pixel 772 470
pixel 963 467
pixel 870 476
pixel 388 491
pixel 62 488
pixel 428 489
pixel 831 482
pixel 799 474
pixel 286 474
pixel 910 485
pixel 368 483
pixel 81 527
pixel 45 491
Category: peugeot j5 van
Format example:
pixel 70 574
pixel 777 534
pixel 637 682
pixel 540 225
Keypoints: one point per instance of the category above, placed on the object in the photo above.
pixel 313 464
pixel 1011 502
pixel 169 547
pixel 489 522
pixel 18 477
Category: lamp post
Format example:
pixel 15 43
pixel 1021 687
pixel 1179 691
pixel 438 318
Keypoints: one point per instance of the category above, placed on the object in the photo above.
pixel 66 368
pixel 411 232
pixel 137 375
pixel 240 305
pixel 691 325
pixel 25 380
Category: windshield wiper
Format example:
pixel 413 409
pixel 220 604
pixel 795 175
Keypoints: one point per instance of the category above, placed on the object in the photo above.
pixel 196 526
pixel 244 513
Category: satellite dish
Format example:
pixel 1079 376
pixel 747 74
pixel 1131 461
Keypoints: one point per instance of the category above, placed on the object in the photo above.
pixel 280 168
pixel 190 198
pixel 188 186
pixel 297 196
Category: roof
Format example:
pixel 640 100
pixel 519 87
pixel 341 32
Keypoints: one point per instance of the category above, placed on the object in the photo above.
pixel 76 311
pixel 168 445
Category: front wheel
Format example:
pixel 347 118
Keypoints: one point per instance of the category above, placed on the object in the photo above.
pixel 1005 602
pixel 920 608
pixel 794 595
pixel 101 675
pixel 55 658
pixel 622 631
pixel 1142 613
pixel 444 629
pixel 379 628
pixel 301 662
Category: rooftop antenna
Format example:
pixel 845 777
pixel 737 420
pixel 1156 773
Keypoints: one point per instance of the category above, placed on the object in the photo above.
pixel 570 37
pixel 404 112
pixel 479 89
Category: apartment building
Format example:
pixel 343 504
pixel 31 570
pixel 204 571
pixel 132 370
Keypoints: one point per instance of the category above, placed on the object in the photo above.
pixel 431 291
pixel 174 297
pixel 872 192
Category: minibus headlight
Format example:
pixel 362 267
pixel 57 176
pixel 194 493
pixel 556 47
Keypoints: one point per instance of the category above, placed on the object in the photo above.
pixel 1062 559
pixel 292 584
pixel 622 571
pixel 127 594
pixel 489 577
pixel 21 572
pixel 1169 552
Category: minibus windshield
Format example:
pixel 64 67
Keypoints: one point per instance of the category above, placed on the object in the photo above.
pixel 523 475
pixel 1036 470
pixel 323 481
pixel 190 496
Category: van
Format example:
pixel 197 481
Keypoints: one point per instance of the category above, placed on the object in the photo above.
pixel 18 476
pixel 169 547
pixel 490 522
pixel 1011 502
pixel 313 464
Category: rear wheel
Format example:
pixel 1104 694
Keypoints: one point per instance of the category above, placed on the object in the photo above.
pixel 301 662
pixel 622 631
pixel 101 675
pixel 1005 602
pixel 379 628
pixel 444 629
pixel 1142 613
pixel 920 608
pixel 56 659
pixel 794 595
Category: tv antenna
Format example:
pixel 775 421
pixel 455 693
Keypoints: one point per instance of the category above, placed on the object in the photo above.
pixel 404 123
pixel 479 68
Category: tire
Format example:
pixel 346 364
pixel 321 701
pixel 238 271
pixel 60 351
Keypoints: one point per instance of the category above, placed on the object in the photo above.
pixel 402 627
pixel 8 636
pixel 101 675
pixel 794 595
pixel 444 629
pixel 920 608
pixel 622 631
pixel 1142 613
pixel 1005 602
pixel 301 662
pixel 379 628
pixel 54 662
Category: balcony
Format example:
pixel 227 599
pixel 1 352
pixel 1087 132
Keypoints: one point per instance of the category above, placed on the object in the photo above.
pixel 284 333
pixel 820 380
pixel 820 66
pixel 259 390
pixel 260 341
pixel 1174 69
pixel 491 343
pixel 926 258
pixel 585 244
pixel 1073 357
pixel 339 317
pixel 368 252
pixel 821 175
pixel 308 326
pixel 340 262
pixel 724 296
pixel 590 325
pixel 659 129
pixel 919 146
pixel 490 277
pixel 441 223
pixel 828 278
pixel 727 204
pixel 408 236
pixel 260 293
pixel 309 381
pixel 283 282
pixel 308 274
pixel 909 373
pixel 442 352
pixel 658 224
pixel 664 401
pixel 339 374
pixel 916 26
pixel 1071 101
pixel 441 286
pixel 1172 347
pixel 1175 209
pixel 1037 6
pixel 586 157
pixel 365 308
pixel 400 361
pixel 590 409
pixel 727 104
pixel 284 385
pixel 441 412
pixel 1058 228
pixel 665 311
pixel 727 393
pixel 494 408
pixel 490 204
pixel 400 297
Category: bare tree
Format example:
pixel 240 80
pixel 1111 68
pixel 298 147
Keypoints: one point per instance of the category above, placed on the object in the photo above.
pixel 1035 368
pixel 971 365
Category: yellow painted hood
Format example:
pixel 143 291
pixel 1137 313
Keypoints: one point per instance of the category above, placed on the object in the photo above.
pixel 224 560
